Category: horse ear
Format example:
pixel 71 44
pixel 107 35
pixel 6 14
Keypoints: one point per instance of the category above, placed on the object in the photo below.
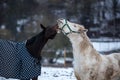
pixel 43 27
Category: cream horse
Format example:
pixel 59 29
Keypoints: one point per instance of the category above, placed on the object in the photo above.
pixel 88 63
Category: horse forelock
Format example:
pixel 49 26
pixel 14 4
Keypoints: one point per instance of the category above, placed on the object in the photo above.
pixel 85 43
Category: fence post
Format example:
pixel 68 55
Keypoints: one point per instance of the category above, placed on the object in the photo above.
pixel 64 51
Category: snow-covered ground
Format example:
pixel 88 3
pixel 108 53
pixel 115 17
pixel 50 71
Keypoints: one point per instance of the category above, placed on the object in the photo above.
pixel 52 73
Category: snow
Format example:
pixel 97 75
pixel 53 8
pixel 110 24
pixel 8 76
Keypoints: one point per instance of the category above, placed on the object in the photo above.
pixel 62 60
pixel 2 78
pixel 3 26
pixel 106 46
pixel 54 73
pixel 50 73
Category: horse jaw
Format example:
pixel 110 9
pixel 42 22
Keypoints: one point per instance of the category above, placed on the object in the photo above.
pixel 59 31
pixel 75 38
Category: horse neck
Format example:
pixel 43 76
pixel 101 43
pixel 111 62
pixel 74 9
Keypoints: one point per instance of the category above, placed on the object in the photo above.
pixel 36 44
pixel 82 47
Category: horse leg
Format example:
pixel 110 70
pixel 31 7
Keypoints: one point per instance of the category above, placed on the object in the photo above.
pixel 35 78
pixel 77 76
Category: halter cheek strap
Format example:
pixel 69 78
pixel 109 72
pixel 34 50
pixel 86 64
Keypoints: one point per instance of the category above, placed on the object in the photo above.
pixel 66 24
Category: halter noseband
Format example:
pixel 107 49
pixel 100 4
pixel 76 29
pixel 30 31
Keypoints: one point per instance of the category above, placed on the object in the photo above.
pixel 66 24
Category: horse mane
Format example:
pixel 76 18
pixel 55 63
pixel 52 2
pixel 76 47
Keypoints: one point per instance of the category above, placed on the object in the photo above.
pixel 86 45
pixel 34 45
pixel 32 40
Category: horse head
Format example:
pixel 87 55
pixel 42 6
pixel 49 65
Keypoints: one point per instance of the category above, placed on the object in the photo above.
pixel 68 27
pixel 49 32
pixel 35 44
pixel 71 29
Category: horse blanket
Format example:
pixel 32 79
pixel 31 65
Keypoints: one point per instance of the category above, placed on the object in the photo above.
pixel 16 62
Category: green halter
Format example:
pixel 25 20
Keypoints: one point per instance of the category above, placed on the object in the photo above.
pixel 66 24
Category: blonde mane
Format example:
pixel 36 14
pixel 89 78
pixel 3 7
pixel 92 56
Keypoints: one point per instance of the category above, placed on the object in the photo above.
pixel 86 44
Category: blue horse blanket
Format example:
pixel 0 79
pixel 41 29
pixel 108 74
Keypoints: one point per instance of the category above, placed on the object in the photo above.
pixel 16 62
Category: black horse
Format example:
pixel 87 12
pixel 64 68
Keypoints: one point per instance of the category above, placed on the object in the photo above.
pixel 21 60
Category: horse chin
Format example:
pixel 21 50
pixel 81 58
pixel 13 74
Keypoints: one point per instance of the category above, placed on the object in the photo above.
pixel 59 31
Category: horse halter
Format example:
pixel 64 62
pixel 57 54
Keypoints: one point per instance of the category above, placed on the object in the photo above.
pixel 71 31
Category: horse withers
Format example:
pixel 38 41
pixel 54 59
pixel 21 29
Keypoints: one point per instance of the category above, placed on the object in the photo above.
pixel 21 60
